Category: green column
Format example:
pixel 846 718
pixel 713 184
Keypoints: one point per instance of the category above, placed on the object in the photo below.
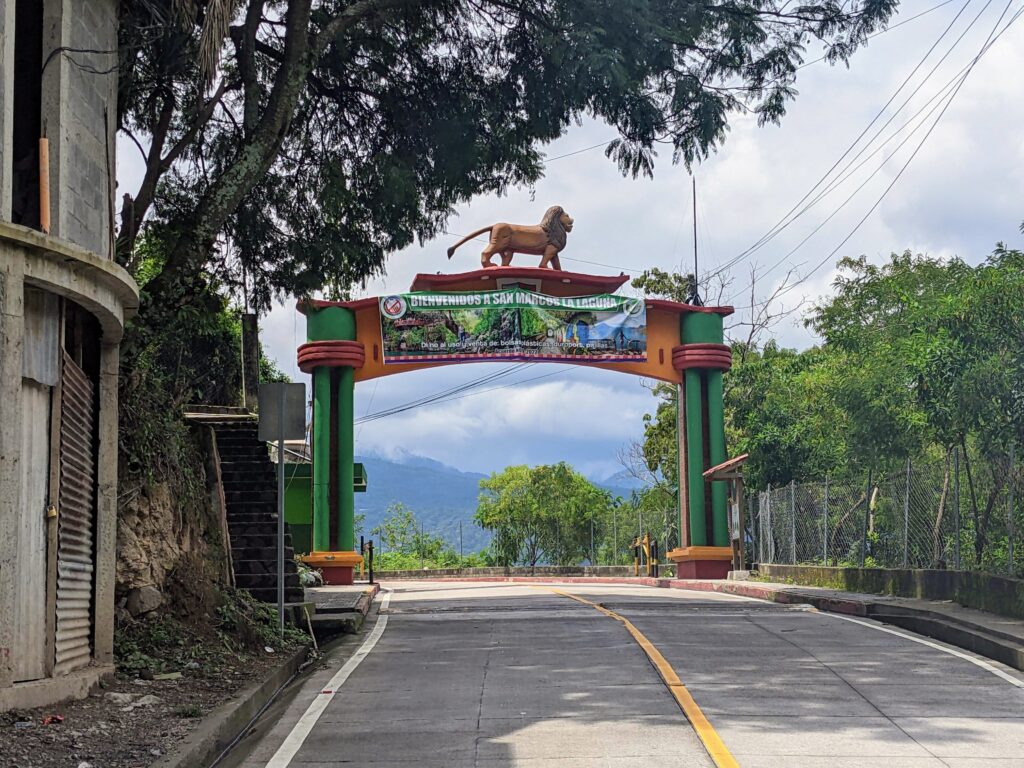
pixel 330 324
pixel 716 453
pixel 695 458
pixel 705 328
pixel 346 461
pixel 321 459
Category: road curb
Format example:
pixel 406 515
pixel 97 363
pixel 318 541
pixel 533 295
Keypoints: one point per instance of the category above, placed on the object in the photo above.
pixel 223 725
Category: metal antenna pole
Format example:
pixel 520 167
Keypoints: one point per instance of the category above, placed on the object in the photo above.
pixel 280 511
pixel 693 179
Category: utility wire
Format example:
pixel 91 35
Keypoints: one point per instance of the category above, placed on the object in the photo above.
pixel 802 66
pixel 992 37
pixel 789 216
pixel 435 397
pixel 412 406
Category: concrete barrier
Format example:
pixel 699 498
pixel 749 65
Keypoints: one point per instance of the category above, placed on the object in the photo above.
pixel 539 570
pixel 971 589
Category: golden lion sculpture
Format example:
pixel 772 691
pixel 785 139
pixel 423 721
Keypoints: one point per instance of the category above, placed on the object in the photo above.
pixel 545 239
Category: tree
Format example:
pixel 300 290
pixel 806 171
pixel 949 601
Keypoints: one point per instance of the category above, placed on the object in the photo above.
pixel 403 544
pixel 316 136
pixel 780 409
pixel 543 514
pixel 936 348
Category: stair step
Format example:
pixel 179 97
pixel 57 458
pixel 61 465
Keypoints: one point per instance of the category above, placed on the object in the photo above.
pixel 265 580
pixel 253 512
pixel 264 567
pixel 243 497
pixel 247 465
pixel 291 594
pixel 241 523
pixel 241 451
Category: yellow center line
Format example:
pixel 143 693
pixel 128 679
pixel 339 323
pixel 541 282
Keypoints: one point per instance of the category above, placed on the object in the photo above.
pixel 705 732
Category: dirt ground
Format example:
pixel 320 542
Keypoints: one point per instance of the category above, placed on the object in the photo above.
pixel 130 723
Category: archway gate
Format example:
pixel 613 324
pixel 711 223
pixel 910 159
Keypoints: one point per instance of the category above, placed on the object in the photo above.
pixel 534 315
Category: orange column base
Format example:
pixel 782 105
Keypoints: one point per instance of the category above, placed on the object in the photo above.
pixel 701 562
pixel 338 568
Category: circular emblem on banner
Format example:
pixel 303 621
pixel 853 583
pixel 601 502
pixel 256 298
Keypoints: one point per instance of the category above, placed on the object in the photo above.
pixel 634 307
pixel 393 306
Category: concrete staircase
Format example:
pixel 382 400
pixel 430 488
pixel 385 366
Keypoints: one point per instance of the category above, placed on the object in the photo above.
pixel 250 490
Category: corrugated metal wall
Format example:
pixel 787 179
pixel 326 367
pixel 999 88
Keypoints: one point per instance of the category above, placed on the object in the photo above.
pixel 75 540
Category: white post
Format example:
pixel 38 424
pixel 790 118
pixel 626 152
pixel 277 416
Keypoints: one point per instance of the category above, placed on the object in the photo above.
pixel 906 518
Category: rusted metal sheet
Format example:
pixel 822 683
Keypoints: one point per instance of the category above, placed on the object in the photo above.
pixel 76 520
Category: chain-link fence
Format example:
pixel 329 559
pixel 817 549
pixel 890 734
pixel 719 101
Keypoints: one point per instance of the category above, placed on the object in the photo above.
pixel 962 513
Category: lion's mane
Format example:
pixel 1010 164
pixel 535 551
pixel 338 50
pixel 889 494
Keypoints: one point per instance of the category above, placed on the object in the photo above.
pixel 552 226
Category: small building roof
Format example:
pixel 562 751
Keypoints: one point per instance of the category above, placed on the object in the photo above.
pixel 727 469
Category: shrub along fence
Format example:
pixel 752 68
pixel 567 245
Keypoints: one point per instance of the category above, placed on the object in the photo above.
pixel 957 514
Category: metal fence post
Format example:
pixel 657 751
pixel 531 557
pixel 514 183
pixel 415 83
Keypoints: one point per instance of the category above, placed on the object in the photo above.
pixel 906 518
pixel 864 533
pixel 771 527
pixel 792 519
pixel 956 505
pixel 755 534
pixel 824 527
pixel 1010 523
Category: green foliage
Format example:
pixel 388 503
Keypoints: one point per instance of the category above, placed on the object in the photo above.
pixel 919 355
pixel 316 166
pixel 541 515
pixel 240 626
pixel 656 283
pixel 780 410
pixel 194 358
pixel 403 544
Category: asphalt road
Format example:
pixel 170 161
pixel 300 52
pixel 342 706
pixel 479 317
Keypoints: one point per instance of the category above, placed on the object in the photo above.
pixel 500 675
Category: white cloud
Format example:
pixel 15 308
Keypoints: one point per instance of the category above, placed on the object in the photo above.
pixel 960 195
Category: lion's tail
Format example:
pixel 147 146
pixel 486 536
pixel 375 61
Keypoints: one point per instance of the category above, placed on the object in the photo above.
pixel 468 237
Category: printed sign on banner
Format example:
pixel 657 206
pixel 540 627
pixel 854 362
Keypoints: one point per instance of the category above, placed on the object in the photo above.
pixel 512 324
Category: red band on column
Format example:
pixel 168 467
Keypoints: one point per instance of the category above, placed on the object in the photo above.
pixel 332 354
pixel 714 356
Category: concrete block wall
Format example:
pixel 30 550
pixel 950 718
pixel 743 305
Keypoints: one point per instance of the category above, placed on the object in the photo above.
pixel 91 119
pixel 80 119
pixel 6 104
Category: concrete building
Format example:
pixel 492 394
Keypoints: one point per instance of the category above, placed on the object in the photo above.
pixel 63 305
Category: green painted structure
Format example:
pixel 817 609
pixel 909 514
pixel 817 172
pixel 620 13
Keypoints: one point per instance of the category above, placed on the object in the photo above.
pixel 298 502
pixel 685 345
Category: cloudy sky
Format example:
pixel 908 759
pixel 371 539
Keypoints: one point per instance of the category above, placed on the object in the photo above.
pixel 962 192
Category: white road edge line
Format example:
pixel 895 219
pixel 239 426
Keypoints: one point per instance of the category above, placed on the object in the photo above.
pixel 951 651
pixel 294 740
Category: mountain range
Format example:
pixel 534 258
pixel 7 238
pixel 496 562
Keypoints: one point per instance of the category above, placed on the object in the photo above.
pixel 440 496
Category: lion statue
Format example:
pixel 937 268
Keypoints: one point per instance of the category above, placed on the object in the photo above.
pixel 545 239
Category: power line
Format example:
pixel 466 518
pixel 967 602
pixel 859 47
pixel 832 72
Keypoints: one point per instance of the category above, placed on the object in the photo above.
pixel 427 399
pixel 990 40
pixel 802 66
pixel 789 217
pixel 414 405
pixel 938 101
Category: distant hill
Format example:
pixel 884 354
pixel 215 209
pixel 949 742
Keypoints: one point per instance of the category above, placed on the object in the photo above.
pixel 439 495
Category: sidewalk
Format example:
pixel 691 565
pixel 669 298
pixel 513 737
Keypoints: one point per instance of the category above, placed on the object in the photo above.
pixel 988 634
